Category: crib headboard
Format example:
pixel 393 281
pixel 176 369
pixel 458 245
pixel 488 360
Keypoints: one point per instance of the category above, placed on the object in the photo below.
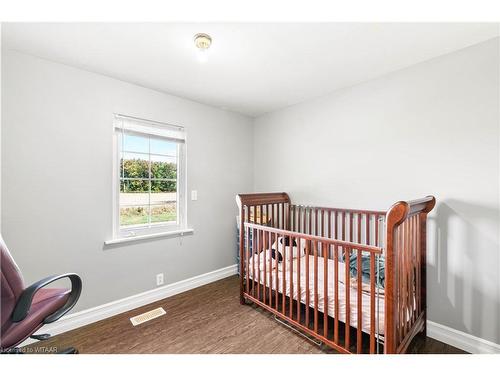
pixel 256 205
pixel 253 199
pixel 251 205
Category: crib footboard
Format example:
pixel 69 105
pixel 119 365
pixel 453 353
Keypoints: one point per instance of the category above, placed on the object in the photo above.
pixel 406 239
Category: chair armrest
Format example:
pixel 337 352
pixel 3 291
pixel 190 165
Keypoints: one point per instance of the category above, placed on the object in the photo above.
pixel 23 305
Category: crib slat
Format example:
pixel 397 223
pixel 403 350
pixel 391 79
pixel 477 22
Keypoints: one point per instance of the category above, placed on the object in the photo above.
pixel 367 234
pixel 283 294
pixel 271 221
pixel 264 247
pixel 329 224
pixel 269 245
pixel 347 284
pixel 372 303
pixel 316 231
pixel 315 252
pixel 336 286
pixel 286 208
pixel 307 284
pixel 351 227
pixel 418 266
pixel 253 261
pixel 325 251
pixel 414 266
pixel 400 277
pixel 296 218
pixel 359 338
pixel 324 227
pixel 359 228
pixel 398 283
pixel 299 295
pixel 405 276
pixel 304 230
pixel 247 250
pixel 279 214
pixel 417 284
pixel 276 239
pixel 259 245
pixel 343 225
pixel 335 225
pixel 307 228
pixel 290 249
pixel 410 273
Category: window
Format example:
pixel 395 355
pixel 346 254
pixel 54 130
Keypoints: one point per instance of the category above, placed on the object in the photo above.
pixel 149 177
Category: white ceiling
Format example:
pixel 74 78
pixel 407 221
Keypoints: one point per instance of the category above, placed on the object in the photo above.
pixel 251 68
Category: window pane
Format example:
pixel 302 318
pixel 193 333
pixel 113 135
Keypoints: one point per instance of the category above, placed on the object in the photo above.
pixel 164 213
pixel 163 147
pixel 135 143
pixel 136 215
pixel 134 193
pixel 163 192
pixel 163 167
pixel 134 165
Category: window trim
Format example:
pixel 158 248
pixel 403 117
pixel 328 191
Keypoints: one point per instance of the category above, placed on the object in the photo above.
pixel 152 230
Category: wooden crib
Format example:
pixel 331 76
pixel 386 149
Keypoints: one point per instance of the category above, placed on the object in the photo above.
pixel 318 269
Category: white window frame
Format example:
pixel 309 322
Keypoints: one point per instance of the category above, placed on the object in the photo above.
pixel 160 130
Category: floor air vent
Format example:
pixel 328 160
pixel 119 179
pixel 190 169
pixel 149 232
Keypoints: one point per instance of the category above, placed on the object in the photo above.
pixel 147 316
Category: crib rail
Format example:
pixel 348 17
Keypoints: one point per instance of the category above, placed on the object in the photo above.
pixel 359 226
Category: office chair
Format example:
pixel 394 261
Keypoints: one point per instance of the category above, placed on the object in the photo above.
pixel 25 310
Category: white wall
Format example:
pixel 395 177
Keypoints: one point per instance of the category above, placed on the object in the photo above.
pixel 57 185
pixel 429 129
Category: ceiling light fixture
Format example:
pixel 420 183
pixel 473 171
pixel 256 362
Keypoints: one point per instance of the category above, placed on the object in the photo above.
pixel 202 43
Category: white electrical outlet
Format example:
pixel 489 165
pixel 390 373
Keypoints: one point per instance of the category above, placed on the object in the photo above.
pixel 194 195
pixel 159 279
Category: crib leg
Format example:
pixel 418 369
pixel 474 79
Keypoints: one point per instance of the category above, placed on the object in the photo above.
pixel 242 297
pixel 424 326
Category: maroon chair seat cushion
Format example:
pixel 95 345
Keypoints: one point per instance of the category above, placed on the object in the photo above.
pixel 45 302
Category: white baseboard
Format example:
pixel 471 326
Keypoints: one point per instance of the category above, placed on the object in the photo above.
pixel 461 340
pixel 450 336
pixel 92 315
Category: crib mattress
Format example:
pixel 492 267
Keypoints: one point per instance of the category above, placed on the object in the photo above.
pixel 263 257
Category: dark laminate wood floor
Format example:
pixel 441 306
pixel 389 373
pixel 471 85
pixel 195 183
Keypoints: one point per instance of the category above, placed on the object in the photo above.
pixel 208 319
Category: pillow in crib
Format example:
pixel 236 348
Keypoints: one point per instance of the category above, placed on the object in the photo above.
pixel 289 248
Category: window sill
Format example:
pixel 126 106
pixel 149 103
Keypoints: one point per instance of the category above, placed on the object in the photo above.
pixel 143 237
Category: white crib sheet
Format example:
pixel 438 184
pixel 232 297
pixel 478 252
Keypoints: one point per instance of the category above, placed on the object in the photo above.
pixel 365 296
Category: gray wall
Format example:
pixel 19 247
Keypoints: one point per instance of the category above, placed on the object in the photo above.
pixel 430 129
pixel 57 179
